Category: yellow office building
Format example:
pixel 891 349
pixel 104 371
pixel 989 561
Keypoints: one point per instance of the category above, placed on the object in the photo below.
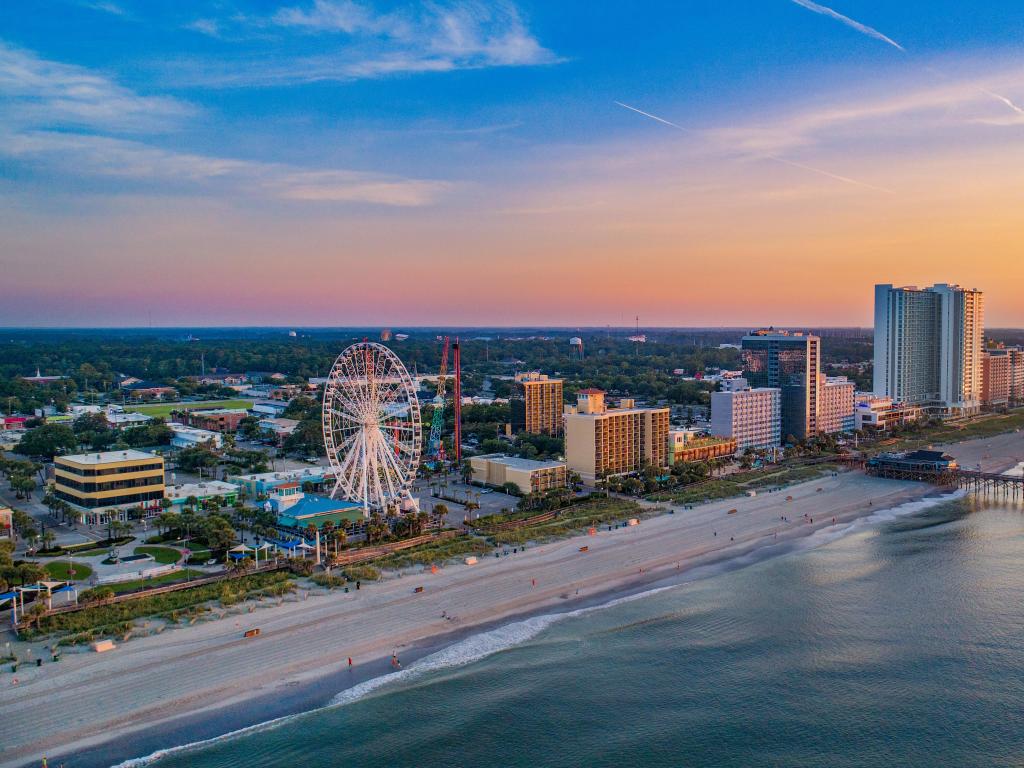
pixel 601 441
pixel 113 478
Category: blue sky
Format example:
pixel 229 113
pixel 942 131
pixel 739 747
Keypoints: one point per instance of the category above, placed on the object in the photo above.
pixel 406 141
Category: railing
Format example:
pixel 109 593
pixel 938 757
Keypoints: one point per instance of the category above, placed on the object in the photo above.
pixel 372 553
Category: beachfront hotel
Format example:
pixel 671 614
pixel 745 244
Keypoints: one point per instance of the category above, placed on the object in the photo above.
pixel 91 481
pixel 836 405
pixel 750 417
pixel 928 347
pixel 538 409
pixel 602 441
pixel 790 362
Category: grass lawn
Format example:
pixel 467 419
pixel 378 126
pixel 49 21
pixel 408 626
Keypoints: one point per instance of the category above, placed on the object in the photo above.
pixel 163 555
pixel 163 410
pixel 58 570
pixel 167 578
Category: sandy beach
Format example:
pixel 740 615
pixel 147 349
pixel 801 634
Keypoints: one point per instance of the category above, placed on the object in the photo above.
pixel 148 684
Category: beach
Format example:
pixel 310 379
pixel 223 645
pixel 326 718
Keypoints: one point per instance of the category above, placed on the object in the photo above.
pixel 152 685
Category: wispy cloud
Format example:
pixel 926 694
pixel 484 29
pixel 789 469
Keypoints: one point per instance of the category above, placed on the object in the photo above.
pixel 38 91
pixel 862 28
pixel 104 6
pixel 65 119
pixel 430 37
pixel 83 155
pixel 767 156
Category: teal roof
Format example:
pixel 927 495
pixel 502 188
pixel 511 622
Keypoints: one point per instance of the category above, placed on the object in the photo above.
pixel 318 510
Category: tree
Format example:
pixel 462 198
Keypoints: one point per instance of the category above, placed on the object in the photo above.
pixel 30 573
pixel 47 441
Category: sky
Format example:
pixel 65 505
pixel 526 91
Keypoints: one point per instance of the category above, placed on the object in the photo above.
pixel 454 162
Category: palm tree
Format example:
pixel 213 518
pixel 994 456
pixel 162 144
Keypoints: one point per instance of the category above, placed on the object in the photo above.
pixel 30 573
pixel 48 537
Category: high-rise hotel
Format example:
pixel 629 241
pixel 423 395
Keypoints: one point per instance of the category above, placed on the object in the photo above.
pixel 790 362
pixel 929 344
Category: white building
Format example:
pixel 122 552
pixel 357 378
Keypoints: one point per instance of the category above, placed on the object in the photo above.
pixel 189 437
pixel 928 347
pixel 752 417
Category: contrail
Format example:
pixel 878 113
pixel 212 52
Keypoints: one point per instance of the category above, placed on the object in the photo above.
pixel 784 161
pixel 871 32
pixel 862 28
pixel 1005 101
pixel 655 117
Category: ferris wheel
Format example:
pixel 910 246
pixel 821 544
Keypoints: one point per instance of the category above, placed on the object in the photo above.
pixel 372 428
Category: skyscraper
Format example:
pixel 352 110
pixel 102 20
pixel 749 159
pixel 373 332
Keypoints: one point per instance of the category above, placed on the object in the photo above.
pixel 928 347
pixel 790 362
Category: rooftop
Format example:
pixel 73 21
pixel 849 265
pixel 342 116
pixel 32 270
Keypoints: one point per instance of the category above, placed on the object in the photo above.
pixel 108 457
pixel 200 490
pixel 518 463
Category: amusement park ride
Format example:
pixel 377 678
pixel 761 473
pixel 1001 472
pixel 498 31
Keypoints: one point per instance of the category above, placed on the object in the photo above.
pixel 372 428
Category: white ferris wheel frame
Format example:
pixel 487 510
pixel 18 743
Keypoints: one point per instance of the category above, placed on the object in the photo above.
pixel 371 426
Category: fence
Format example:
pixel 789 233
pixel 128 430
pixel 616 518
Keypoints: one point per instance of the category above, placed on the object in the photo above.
pixel 372 553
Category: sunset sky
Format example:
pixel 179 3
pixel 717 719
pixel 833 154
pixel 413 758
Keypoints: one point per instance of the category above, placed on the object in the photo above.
pixel 336 162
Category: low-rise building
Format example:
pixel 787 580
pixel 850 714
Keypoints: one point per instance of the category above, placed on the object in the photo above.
pixel 297 510
pixel 685 445
pixel 190 437
pixel 149 390
pixel 179 495
pixel 122 420
pixel 602 441
pixel 277 429
pixel 529 476
pixel 225 420
pixel 880 414
pixel 91 481
pixel 751 417
pixel 265 482
pixel 268 408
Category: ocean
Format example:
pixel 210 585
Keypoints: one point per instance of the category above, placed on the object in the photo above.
pixel 894 642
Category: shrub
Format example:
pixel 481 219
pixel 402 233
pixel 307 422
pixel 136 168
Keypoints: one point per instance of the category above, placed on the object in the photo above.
pixel 328 580
pixel 362 573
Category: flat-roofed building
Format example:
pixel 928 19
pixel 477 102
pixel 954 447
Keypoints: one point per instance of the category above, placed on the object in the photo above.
pixel 836 399
pixel 528 475
pixel 928 347
pixel 685 445
pixel 751 417
pixel 538 410
pixel 109 479
pixel 789 361
pixel 602 441
pixel 179 495
pixel 996 379
pixel 881 413
pixel 190 437
pixel 216 419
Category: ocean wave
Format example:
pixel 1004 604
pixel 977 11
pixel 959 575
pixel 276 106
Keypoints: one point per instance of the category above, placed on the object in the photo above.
pixel 484 644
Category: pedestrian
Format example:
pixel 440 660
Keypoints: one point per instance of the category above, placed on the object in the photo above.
pixel 350 662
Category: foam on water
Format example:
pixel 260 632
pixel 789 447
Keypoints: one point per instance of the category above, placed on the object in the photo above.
pixel 484 644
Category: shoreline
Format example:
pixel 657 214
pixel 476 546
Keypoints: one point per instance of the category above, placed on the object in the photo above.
pixel 201 682
pixel 159 728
